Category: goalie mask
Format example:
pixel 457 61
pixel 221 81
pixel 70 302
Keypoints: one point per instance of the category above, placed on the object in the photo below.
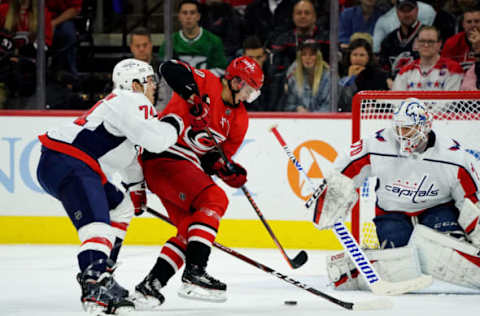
pixel 129 70
pixel 411 125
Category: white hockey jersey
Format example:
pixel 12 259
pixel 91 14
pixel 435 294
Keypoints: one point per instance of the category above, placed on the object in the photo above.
pixel 446 74
pixel 108 135
pixel 444 172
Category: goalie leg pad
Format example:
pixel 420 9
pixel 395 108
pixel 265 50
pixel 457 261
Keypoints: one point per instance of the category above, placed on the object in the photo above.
pixel 447 258
pixel 336 201
pixel 469 220
pixel 393 265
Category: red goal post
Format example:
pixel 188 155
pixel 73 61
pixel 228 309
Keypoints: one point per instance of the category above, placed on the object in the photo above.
pixel 456 113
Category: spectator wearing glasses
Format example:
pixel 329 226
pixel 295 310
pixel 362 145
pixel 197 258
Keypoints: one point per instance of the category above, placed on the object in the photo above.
pixel 430 71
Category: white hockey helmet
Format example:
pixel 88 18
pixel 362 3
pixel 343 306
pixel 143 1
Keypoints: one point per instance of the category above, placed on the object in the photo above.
pixel 411 123
pixel 129 70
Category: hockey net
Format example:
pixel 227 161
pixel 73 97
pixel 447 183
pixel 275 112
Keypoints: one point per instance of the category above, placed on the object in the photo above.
pixel 455 113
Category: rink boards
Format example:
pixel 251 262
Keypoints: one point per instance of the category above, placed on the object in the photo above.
pixel 28 215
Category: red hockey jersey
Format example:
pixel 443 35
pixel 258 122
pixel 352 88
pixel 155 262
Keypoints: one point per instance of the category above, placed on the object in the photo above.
pixel 228 124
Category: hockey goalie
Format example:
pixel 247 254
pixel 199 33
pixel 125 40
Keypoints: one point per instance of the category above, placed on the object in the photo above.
pixel 427 208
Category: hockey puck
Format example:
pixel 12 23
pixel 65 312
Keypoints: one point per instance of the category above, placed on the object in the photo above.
pixel 291 303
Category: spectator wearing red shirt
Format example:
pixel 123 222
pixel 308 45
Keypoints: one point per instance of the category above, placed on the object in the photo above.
pixel 65 33
pixel 459 47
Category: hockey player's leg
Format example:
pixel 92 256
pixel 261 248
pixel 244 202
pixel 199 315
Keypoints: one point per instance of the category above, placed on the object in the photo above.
pixel 170 260
pixel 121 213
pixel 85 201
pixel 393 265
pixel 447 258
pixel 210 206
pixel 148 294
pixel 393 229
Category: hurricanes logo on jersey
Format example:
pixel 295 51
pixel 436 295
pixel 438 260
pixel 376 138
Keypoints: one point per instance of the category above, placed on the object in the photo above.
pixel 200 142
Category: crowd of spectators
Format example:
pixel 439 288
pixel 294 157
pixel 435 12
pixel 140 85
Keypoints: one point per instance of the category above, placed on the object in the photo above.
pixel 383 44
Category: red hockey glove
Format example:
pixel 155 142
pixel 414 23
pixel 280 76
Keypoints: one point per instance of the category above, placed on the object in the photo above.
pixel 233 174
pixel 199 114
pixel 139 198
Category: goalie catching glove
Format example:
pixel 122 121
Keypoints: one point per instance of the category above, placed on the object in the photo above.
pixel 199 112
pixel 233 174
pixel 335 202
pixel 138 197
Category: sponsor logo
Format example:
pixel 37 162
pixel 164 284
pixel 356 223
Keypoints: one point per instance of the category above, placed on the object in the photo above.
pixel 357 255
pixel 313 155
pixel 413 191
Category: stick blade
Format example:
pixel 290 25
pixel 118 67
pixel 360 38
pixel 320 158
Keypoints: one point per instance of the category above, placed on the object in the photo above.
pixel 299 259
pixel 377 304
pixel 383 287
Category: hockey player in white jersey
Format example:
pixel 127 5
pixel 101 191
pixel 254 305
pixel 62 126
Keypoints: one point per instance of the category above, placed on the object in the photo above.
pixel 76 167
pixel 427 210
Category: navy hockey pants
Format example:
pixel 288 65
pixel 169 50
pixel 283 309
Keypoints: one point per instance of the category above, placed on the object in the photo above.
pixel 77 187
pixel 395 228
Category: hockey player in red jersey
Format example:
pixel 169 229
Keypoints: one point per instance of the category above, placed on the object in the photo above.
pixel 181 176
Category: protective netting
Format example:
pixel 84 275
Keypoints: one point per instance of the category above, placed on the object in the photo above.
pixel 372 109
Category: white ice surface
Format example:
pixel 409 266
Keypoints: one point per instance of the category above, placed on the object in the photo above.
pixel 40 281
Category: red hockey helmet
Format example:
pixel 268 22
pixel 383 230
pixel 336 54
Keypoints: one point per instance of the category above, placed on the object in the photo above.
pixel 246 69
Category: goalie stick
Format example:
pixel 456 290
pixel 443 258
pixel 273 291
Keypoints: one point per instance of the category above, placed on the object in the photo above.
pixel 302 257
pixel 376 284
pixel 377 304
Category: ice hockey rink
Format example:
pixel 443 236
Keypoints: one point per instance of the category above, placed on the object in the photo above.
pixel 40 280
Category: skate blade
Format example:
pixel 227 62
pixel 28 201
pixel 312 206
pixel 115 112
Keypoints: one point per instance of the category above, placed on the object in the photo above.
pixel 93 308
pixel 145 303
pixel 124 310
pixel 194 292
pixel 99 310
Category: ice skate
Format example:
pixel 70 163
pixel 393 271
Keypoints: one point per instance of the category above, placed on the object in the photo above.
pixel 100 298
pixel 147 294
pixel 199 285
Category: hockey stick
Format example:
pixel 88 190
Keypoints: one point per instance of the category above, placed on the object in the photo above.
pixel 300 259
pixel 376 284
pixel 366 305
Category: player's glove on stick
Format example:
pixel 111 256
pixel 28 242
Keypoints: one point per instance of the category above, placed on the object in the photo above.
pixel 199 112
pixel 138 197
pixel 233 174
